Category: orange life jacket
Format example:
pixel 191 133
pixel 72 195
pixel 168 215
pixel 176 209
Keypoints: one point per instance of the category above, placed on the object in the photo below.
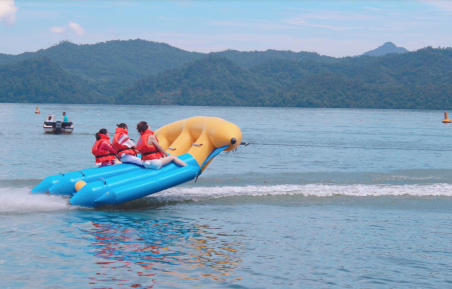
pixel 148 152
pixel 102 155
pixel 121 149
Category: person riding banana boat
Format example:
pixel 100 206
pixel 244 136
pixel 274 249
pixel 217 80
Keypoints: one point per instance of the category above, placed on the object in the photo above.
pixel 153 156
pixel 125 146
pixel 104 153
pixel 152 153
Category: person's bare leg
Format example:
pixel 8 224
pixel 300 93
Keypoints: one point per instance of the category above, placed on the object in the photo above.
pixel 179 162
pixel 169 159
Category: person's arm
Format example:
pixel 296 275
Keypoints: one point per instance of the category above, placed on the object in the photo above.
pixel 153 141
pixel 105 146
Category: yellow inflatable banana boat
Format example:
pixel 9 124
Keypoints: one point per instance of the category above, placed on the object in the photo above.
pixel 195 140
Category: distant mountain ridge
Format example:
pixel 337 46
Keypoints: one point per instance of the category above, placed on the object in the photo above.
pixel 113 65
pixel 386 48
pixel 213 80
pixel 40 80
pixel 417 80
pixel 145 72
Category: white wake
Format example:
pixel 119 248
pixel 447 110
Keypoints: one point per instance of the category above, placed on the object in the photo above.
pixel 21 200
pixel 310 190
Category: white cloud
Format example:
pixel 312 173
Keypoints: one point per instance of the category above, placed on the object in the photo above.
pixel 72 25
pixel 372 8
pixel 8 11
pixel 443 5
pixel 58 29
pixel 250 24
pixel 77 28
pixel 297 21
pixel 228 23
pixel 264 41
pixel 302 22
pixel 333 15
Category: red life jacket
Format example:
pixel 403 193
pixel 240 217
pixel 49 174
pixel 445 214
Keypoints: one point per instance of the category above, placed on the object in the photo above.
pixel 121 149
pixel 102 155
pixel 148 152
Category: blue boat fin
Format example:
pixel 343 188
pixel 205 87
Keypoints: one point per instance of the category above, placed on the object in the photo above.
pixel 213 154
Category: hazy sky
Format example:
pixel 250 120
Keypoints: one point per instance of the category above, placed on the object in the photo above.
pixel 336 28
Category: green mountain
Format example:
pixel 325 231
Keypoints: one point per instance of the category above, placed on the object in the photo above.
pixel 421 80
pixel 248 59
pixel 144 72
pixel 209 81
pixel 41 80
pixel 386 48
pixel 111 65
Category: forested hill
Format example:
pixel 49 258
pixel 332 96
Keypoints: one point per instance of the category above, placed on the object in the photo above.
pixel 386 48
pixel 41 80
pixel 145 72
pixel 248 59
pixel 421 79
pixel 209 81
pixel 112 66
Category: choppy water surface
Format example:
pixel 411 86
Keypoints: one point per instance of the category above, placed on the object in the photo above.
pixel 321 198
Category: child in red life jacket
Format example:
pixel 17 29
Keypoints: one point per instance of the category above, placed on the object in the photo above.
pixel 152 153
pixel 102 150
pixel 125 146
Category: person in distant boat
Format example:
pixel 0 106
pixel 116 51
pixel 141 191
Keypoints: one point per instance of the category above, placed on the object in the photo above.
pixel 65 117
pixel 152 153
pixel 125 146
pixel 102 150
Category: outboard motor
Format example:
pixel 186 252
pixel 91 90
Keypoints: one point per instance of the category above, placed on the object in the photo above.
pixel 58 127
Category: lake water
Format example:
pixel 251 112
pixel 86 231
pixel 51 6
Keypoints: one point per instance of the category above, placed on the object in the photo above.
pixel 321 198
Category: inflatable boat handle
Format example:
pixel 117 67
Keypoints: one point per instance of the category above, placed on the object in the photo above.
pixel 197 144
pixel 83 174
pixel 105 182
pixel 171 149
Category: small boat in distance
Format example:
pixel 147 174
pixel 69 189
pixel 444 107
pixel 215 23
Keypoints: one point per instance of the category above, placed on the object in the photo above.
pixel 57 127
